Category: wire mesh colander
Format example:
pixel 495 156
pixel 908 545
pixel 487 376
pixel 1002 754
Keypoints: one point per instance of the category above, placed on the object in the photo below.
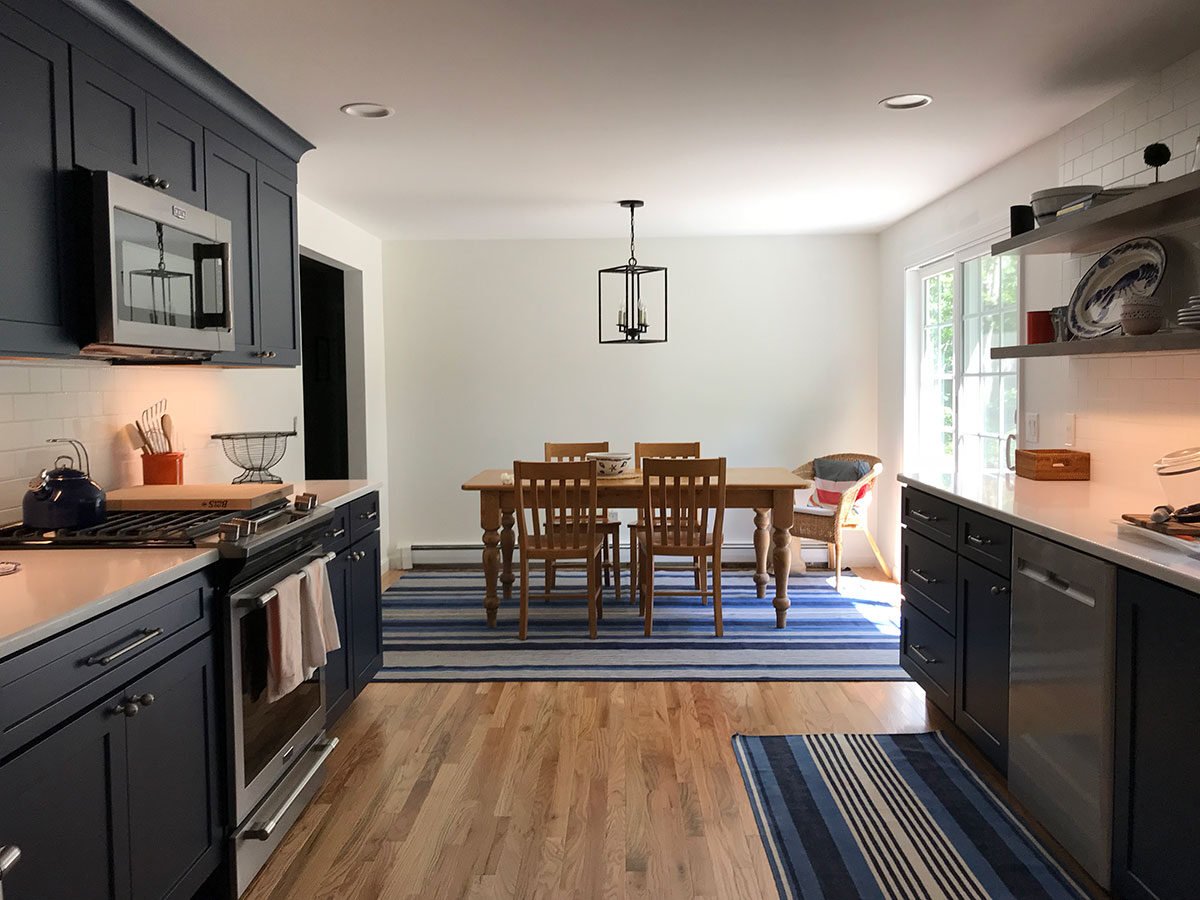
pixel 255 452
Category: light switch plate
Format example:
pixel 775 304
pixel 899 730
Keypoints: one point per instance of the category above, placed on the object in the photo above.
pixel 1031 427
pixel 1069 429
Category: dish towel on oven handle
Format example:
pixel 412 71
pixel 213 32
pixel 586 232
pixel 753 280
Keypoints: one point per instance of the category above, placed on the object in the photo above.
pixel 285 651
pixel 318 623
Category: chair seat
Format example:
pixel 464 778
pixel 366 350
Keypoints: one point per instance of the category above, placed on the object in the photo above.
pixel 700 549
pixel 579 551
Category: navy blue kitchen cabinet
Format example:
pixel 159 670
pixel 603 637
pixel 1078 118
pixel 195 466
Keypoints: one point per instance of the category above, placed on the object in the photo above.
pixel 356 583
pixel 35 157
pixel 1155 826
pixel 97 85
pixel 111 772
pixel 981 700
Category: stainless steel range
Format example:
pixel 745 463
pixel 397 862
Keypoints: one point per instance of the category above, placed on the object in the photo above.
pixel 276 750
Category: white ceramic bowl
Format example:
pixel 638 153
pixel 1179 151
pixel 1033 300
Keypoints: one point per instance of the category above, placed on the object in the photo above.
pixel 1047 203
pixel 1141 317
pixel 611 464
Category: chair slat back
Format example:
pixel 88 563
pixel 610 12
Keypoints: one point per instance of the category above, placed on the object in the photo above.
pixel 665 450
pixel 565 451
pixel 678 496
pixel 556 504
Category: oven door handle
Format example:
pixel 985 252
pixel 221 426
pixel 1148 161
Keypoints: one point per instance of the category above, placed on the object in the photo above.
pixel 261 831
pixel 258 601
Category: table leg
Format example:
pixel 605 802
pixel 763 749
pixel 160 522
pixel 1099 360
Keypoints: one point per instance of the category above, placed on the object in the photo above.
pixel 762 540
pixel 507 542
pixel 489 519
pixel 781 520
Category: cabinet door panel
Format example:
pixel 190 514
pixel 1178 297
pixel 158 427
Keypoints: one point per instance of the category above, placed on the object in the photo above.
pixel 175 148
pixel 109 117
pixel 983 645
pixel 230 190
pixel 64 806
pixel 279 268
pixel 366 616
pixel 35 157
pixel 174 822
pixel 1155 827
pixel 339 673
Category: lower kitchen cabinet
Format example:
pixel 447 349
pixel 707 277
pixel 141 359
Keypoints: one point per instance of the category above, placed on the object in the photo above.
pixel 366 617
pixel 122 801
pixel 1155 826
pixel 981 698
pixel 339 671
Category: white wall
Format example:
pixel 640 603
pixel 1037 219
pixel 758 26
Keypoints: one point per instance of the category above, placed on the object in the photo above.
pixel 492 349
pixel 1125 408
pixel 337 241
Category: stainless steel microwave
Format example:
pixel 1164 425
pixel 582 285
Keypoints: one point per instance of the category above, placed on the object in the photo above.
pixel 162 275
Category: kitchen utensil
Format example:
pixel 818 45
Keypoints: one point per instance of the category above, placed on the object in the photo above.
pixel 162 468
pixel 65 496
pixel 151 422
pixel 146 443
pixel 1020 219
pixel 1039 327
pixel 1188 515
pixel 135 437
pixel 610 464
pixel 255 452
pixel 1179 475
pixel 1141 318
pixel 1130 270
pixel 1047 203
pixel 1054 465
pixel 149 497
pixel 168 429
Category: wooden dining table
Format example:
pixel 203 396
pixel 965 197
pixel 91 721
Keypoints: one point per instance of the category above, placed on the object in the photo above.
pixel 770 492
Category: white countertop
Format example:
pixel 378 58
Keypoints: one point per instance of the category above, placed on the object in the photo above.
pixel 1079 514
pixel 58 589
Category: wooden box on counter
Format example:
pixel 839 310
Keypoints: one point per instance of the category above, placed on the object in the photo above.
pixel 1054 465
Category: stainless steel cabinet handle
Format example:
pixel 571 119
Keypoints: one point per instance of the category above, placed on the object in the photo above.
pixel 369 515
pixel 998 589
pixel 924 517
pixel 261 831
pixel 128 709
pixel 925 578
pixel 8 858
pixel 336 533
pixel 916 649
pixel 144 637
pixel 978 541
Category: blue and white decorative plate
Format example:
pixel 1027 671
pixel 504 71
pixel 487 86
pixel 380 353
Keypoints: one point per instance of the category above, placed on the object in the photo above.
pixel 1132 269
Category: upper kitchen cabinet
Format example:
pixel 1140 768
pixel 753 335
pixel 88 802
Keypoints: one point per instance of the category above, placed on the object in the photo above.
pixel 108 115
pixel 35 156
pixel 175 152
pixel 278 268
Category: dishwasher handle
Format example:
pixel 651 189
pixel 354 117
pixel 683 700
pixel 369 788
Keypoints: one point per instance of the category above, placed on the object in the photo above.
pixel 1055 582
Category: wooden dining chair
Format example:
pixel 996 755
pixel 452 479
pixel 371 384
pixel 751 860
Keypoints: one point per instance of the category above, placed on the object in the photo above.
pixel 556 521
pixel 659 450
pixel 678 496
pixel 609 523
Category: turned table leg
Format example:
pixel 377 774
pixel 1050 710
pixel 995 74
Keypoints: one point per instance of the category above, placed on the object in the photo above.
pixel 489 519
pixel 507 542
pixel 762 540
pixel 781 520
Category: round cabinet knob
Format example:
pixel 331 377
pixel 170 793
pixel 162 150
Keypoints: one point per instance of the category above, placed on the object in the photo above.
pixel 129 709
pixel 144 700
pixel 998 589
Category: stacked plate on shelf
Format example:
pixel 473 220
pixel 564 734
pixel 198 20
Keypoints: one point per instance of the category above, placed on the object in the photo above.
pixel 1189 316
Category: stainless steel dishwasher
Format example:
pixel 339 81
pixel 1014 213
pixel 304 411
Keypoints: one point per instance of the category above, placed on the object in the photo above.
pixel 1060 756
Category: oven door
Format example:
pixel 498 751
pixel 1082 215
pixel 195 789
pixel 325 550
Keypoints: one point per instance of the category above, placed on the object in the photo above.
pixel 163 277
pixel 267 738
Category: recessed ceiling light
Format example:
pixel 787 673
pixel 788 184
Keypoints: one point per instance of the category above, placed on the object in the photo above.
pixel 367 110
pixel 906 101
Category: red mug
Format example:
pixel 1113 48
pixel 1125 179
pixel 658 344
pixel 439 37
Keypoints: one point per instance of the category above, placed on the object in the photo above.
pixel 1039 328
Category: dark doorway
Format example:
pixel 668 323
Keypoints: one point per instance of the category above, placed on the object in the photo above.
pixel 323 311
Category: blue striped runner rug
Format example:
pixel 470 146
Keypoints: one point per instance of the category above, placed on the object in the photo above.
pixel 888 816
pixel 434 630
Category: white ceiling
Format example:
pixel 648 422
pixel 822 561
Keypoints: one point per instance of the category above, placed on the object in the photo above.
pixel 527 118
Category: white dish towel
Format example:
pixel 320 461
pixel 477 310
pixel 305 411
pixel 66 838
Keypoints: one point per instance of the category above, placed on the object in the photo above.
pixel 285 650
pixel 318 623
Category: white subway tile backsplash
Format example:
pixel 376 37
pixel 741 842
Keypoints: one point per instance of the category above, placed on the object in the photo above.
pixel 45 378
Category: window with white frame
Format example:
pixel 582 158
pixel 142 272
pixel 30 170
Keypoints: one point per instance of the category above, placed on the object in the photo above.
pixel 967 401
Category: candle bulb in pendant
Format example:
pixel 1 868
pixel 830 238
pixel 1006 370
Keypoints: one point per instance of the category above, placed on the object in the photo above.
pixel 621 319
pixel 641 314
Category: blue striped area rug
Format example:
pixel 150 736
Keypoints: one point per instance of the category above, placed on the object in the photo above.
pixel 435 630
pixel 888 816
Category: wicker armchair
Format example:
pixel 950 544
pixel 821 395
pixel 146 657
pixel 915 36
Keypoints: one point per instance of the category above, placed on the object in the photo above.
pixel 828 528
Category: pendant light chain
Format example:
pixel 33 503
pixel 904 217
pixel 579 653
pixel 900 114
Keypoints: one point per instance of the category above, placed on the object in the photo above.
pixel 632 255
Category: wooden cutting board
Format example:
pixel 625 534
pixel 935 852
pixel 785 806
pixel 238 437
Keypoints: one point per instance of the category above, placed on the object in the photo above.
pixel 196 496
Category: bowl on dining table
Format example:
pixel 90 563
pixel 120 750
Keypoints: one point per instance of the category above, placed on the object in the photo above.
pixel 610 464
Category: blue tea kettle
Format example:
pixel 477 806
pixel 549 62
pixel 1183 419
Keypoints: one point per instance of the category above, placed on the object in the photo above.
pixel 64 497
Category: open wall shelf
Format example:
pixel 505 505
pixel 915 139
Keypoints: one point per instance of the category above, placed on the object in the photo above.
pixel 1146 343
pixel 1150 211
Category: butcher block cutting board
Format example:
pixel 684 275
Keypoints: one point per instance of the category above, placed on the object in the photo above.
pixel 196 496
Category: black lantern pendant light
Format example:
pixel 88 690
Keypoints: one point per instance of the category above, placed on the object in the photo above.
pixel 633 298
pixel 160 283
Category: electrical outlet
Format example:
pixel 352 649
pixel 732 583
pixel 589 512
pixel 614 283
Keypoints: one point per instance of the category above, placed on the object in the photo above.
pixel 1031 427
pixel 1069 429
